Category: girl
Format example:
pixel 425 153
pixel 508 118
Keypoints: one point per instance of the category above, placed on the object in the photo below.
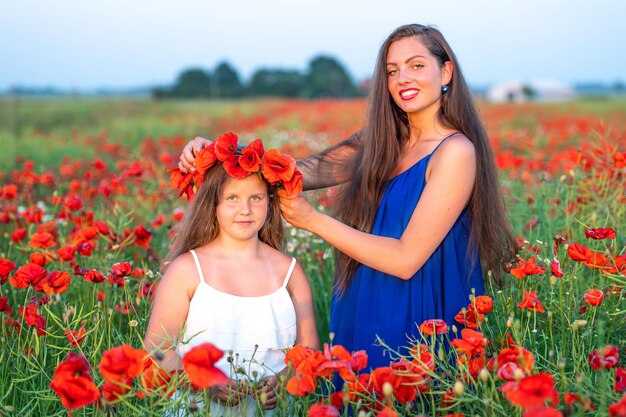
pixel 229 284
pixel 421 212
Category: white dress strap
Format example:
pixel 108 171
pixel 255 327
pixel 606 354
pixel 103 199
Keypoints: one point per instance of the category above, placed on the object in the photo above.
pixel 291 267
pixel 195 258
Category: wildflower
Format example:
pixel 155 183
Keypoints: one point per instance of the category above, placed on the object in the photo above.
pixel 531 302
pixel 594 297
pixel 526 268
pixel 618 409
pixel 322 410
pixel 72 382
pixel 122 362
pixel 6 266
pixel 29 274
pixel 199 365
pixel 532 391
pixel 433 326
pixel 600 233
pixel 606 357
pixel 620 379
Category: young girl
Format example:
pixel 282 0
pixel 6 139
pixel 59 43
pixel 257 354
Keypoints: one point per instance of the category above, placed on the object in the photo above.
pixel 230 285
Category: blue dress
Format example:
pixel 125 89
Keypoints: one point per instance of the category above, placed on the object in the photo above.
pixel 380 305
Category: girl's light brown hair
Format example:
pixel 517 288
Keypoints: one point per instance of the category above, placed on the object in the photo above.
pixel 385 136
pixel 199 225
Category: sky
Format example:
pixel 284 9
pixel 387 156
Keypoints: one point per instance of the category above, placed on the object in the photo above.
pixel 115 44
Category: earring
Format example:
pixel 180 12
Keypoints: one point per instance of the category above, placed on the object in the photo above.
pixel 444 89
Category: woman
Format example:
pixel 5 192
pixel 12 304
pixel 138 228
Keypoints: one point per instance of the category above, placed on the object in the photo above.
pixel 422 212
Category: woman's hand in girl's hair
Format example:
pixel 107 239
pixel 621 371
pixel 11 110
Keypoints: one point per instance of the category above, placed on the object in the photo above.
pixel 269 386
pixel 231 393
pixel 187 158
pixel 297 211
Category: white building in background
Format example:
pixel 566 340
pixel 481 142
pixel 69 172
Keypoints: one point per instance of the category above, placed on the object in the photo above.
pixel 538 90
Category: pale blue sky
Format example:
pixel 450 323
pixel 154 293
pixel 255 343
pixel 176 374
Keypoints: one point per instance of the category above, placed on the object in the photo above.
pixel 117 44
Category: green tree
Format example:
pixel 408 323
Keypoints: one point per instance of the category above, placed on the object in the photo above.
pixel 193 83
pixel 277 83
pixel 327 78
pixel 225 82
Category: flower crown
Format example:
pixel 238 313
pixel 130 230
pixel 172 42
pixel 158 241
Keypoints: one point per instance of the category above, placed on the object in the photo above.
pixel 279 170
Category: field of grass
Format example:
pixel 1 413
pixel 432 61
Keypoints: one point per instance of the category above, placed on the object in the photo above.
pixel 83 188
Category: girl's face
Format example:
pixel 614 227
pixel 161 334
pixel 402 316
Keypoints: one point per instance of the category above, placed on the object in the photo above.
pixel 242 208
pixel 414 76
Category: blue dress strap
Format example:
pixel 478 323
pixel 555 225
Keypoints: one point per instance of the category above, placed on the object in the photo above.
pixel 443 140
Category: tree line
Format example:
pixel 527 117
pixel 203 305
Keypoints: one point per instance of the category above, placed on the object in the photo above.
pixel 324 77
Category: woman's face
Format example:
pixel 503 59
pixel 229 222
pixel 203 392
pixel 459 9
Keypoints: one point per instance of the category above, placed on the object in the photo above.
pixel 414 76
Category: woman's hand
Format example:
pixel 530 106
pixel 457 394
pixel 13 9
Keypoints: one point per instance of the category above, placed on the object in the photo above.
pixel 231 393
pixel 297 211
pixel 187 158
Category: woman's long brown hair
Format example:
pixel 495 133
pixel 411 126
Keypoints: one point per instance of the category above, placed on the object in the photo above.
pixel 385 136
pixel 199 225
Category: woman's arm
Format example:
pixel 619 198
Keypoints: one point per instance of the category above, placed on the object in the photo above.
pixel 321 170
pixel 327 168
pixel 449 187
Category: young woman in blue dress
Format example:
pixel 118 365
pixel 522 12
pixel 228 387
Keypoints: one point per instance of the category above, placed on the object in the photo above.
pixel 421 215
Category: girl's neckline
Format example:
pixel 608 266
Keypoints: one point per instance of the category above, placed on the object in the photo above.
pixel 244 297
pixel 423 157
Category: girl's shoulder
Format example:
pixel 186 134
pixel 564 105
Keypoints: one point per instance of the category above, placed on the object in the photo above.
pixel 183 270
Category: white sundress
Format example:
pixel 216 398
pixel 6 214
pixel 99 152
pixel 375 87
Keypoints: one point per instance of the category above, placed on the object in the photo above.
pixel 253 333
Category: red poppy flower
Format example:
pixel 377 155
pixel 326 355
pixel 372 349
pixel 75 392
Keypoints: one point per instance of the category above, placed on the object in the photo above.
pixel 359 360
pixel 18 235
pixel 41 240
pixel 73 203
pixel 122 362
pixel 620 375
pixel 555 268
pixel 322 410
pixel 205 159
pixel 57 282
pixel 6 267
pixel 198 364
pixel 250 159
pixel 4 305
pixel 471 343
pixel 66 253
pixel 226 146
pixel 542 412
pixel 76 337
pixel 411 380
pixel 154 379
pixel 277 167
pixel 531 302
pixel 600 233
pixel 578 252
pixel 382 375
pixel 29 274
pixel 525 268
pixel 532 391
pixel 94 276
pixel 483 304
pixel 113 391
pixel 387 412
pixel 301 384
pixel 297 354
pixel 72 382
pixel 121 269
pixel 142 236
pixel 573 399
pixel 618 409
pixel 594 297
pixel 10 191
pixel 433 326
pixel 293 186
pixel 469 317
pixel 523 358
pixel 235 170
pixel 606 357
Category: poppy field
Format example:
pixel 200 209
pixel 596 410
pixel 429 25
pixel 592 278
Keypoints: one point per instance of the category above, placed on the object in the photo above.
pixel 87 212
